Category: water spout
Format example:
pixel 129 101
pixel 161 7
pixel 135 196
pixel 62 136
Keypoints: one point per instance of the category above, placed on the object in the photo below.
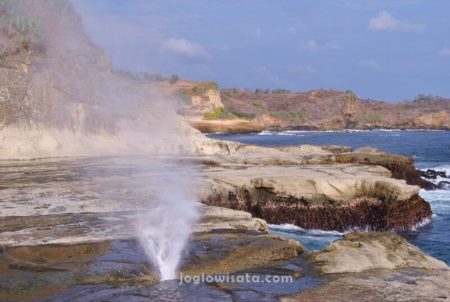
pixel 165 229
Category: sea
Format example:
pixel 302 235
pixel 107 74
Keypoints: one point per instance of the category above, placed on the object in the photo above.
pixel 430 150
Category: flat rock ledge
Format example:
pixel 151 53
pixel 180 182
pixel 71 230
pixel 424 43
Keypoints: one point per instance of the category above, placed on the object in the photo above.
pixel 358 252
pixel 330 197
pixel 377 267
pixel 78 228
pixel 43 255
pixel 314 187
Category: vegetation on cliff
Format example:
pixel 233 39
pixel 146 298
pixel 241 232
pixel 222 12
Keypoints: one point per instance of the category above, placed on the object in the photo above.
pixel 332 110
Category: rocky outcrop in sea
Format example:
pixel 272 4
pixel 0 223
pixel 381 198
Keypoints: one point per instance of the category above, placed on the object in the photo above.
pixel 328 188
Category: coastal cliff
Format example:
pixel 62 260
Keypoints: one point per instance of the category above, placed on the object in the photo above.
pixel 68 225
pixel 59 95
pixel 314 187
pixel 321 109
pixel 45 114
pixel 377 267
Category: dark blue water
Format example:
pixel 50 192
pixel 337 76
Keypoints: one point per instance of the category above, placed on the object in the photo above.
pixel 430 149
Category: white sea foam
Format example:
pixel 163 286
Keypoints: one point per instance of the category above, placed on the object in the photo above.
pixel 440 168
pixel 445 168
pixel 421 224
pixel 266 133
pixel 290 227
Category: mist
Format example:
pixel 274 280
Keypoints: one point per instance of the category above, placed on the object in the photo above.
pixel 68 101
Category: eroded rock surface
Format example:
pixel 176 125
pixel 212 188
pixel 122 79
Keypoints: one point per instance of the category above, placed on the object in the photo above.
pixel 359 252
pixel 37 272
pixel 377 267
pixel 330 187
pixel 383 286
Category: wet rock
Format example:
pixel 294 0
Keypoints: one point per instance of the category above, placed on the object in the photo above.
pixel 432 174
pixel 444 185
pixel 225 252
pixel 358 252
pixel 381 286
pixel 377 267
pixel 79 228
pixel 332 197
pixel 401 167
pixel 38 272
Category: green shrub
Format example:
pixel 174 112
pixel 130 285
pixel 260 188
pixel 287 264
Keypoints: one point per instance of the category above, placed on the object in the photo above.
pixel 218 113
pixel 371 118
pixel 243 115
pixel 213 86
pixel 260 106
pixel 296 116
pixel 198 89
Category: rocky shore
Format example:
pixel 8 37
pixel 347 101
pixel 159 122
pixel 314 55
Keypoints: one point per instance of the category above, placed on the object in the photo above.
pixel 377 267
pixel 328 188
pixel 67 223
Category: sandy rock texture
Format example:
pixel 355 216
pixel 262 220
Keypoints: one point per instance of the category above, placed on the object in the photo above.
pixel 322 187
pixel 358 252
pixel 377 267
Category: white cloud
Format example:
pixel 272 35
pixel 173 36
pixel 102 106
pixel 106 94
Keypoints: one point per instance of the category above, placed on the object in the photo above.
pixel 370 64
pixel 313 46
pixel 184 48
pixel 385 21
pixel 444 52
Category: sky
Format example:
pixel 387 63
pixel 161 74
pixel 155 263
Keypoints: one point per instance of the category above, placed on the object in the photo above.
pixel 389 50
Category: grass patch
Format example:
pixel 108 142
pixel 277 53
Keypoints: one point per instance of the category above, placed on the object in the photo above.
pixel 379 190
pixel 219 113
pixel 260 106
pixel 243 115
pixel 201 89
pixel 371 118
pixel 296 116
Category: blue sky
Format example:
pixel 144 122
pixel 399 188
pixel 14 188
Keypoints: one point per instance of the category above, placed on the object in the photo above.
pixel 390 50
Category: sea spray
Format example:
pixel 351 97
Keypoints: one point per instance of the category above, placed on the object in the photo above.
pixel 165 229
pixel 67 101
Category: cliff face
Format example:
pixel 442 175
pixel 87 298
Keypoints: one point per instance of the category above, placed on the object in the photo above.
pixel 201 106
pixel 59 95
pixel 333 110
pixel 314 187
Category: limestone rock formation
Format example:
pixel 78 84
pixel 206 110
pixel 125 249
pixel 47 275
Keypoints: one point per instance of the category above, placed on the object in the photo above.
pixel 329 188
pixel 384 286
pixel 435 120
pixel 370 267
pixel 358 252
pixel 334 110
pixel 62 98
pixel 350 111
